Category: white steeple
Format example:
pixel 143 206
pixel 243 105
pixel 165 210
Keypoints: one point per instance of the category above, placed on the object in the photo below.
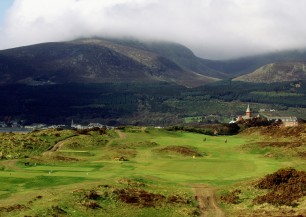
pixel 248 108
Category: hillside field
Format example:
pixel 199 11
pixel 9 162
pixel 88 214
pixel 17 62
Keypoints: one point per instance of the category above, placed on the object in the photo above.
pixel 139 171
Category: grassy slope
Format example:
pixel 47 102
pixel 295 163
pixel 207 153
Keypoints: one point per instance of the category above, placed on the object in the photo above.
pixel 224 165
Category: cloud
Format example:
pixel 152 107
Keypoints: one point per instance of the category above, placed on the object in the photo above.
pixel 212 28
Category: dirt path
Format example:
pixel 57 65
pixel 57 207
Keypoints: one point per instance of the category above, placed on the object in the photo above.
pixel 120 134
pixel 207 201
pixel 56 147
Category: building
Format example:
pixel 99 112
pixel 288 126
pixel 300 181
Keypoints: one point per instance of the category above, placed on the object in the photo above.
pixel 3 124
pixel 93 125
pixel 89 126
pixel 289 121
pixel 248 115
pixel 248 112
pixel 286 121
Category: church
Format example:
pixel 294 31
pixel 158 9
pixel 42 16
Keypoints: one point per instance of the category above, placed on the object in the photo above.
pixel 286 121
pixel 247 116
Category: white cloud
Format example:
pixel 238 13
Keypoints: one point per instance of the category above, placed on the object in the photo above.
pixel 212 28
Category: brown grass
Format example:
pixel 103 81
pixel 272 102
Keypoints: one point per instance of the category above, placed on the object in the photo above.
pixel 285 187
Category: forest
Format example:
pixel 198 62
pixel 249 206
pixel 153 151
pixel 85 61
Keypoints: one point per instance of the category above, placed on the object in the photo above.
pixel 155 103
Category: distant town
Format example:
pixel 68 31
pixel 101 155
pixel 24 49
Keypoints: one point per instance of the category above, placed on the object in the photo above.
pixel 18 126
pixel 13 125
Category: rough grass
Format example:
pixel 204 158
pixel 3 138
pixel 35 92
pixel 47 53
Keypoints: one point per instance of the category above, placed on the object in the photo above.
pixel 285 187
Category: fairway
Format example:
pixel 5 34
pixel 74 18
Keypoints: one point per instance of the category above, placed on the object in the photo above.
pixel 222 161
pixel 153 156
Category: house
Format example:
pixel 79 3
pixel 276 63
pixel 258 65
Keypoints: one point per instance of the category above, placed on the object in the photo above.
pixel 93 125
pixel 286 121
pixel 89 126
pixel 35 126
pixel 3 124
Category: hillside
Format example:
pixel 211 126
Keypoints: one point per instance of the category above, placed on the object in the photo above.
pixel 91 61
pixel 177 53
pixel 276 72
pixel 245 65
pixel 222 69
pixel 98 60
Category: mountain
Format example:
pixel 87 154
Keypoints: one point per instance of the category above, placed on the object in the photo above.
pixel 101 60
pixel 96 61
pixel 276 72
pixel 177 53
pixel 245 65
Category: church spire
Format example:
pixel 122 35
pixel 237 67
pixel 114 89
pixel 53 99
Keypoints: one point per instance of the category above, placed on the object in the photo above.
pixel 248 111
pixel 248 108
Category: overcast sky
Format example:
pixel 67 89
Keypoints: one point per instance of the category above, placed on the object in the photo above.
pixel 214 29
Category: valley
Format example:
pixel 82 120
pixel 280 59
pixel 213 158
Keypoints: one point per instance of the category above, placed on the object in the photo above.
pixel 169 150
pixel 134 108
pixel 150 83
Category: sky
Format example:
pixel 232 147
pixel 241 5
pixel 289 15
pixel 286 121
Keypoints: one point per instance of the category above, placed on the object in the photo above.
pixel 212 29
pixel 4 5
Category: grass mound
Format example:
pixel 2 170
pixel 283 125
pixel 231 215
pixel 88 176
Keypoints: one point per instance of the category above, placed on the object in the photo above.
pixel 182 150
pixel 302 154
pixel 88 198
pixel 101 131
pixel 285 187
pixel 280 144
pixel 231 197
pixel 139 197
pixel 133 196
pixel 145 144
pixel 278 132
pixel 24 145
pixel 56 211
pixel 16 207
pixel 142 198
pixel 130 182
pixel 66 159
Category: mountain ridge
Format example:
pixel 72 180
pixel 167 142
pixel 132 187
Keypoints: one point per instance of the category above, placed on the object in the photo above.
pixel 101 60
pixel 92 60
pixel 245 65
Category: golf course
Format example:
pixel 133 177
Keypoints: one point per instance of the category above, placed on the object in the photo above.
pixel 143 171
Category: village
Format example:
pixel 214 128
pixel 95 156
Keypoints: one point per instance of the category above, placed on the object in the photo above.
pixel 16 126
pixel 13 125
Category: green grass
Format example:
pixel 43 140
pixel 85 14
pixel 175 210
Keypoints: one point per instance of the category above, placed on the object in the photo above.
pixel 225 164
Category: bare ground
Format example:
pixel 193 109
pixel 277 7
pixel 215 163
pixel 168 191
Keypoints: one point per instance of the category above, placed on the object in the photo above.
pixel 10 164
pixel 207 201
